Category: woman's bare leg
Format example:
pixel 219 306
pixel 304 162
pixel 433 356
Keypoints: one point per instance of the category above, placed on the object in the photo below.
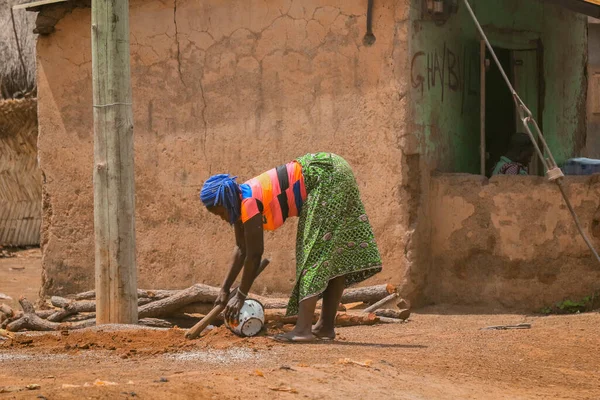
pixel 325 326
pixel 302 332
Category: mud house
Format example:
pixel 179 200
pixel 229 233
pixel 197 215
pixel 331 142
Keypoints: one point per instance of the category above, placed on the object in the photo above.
pixel 242 86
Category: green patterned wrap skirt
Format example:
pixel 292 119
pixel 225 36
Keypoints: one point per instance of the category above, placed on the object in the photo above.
pixel 334 235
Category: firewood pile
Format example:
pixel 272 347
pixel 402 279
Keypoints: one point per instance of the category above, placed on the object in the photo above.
pixel 183 308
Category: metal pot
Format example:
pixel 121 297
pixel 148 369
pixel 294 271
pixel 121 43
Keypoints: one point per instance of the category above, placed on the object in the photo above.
pixel 250 320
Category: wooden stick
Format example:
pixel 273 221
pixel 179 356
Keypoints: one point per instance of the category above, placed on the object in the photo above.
pixel 381 302
pixel 194 294
pixel 77 306
pixel 179 320
pixel 58 301
pixel 369 294
pixel 157 294
pixel 87 305
pixel 197 329
pixel 398 314
pixel 197 308
pixel 30 321
pixel 341 319
pixel 155 323
pixel 63 302
pixel 6 310
pixel 10 314
pixel 386 320
pixel 71 307
pixel 15 317
pixel 142 301
pixel 26 305
pixel 89 295
pixel 59 315
pixel 5 313
pixel 79 317
pixel 44 313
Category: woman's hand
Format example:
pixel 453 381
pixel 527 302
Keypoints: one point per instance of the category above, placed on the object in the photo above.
pixel 232 311
pixel 222 298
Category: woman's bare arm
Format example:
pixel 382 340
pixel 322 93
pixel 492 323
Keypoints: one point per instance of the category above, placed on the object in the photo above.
pixel 239 255
pixel 254 247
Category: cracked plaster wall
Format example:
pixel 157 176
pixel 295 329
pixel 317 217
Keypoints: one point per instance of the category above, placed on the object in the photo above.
pixel 444 136
pixel 224 86
pixel 511 242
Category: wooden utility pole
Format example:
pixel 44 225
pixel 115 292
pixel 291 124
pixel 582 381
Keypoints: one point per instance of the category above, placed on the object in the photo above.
pixel 114 186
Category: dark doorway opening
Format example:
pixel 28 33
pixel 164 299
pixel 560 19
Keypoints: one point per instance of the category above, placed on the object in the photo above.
pixel 499 109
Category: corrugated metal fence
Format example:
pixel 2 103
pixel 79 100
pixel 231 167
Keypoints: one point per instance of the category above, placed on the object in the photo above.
pixel 20 182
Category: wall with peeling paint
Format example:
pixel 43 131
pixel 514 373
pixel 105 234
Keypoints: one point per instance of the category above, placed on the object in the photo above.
pixel 224 86
pixel 445 129
pixel 445 76
pixel 510 241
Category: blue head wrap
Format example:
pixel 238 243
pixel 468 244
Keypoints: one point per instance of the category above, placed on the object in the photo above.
pixel 222 190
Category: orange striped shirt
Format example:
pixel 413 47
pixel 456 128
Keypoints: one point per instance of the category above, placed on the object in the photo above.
pixel 276 194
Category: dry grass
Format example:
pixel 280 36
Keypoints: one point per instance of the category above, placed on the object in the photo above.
pixel 20 183
pixel 16 77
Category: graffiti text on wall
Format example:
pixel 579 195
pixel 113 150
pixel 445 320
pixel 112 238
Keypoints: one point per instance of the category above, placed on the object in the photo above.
pixel 431 69
pixel 445 69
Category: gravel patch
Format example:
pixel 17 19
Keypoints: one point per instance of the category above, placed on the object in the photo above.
pixel 11 356
pixel 229 356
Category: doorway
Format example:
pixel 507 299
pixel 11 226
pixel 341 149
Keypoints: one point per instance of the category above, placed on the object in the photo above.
pixel 501 118
pixel 500 112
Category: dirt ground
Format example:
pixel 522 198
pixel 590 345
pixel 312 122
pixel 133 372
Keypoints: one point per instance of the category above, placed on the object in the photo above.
pixel 20 275
pixel 440 353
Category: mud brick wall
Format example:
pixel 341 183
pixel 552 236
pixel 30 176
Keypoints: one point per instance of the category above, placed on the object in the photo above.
pixel 224 86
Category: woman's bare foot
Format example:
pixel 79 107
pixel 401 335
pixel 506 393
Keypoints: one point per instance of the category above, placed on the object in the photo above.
pixel 302 331
pixel 324 329
pixel 321 333
pixel 295 337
